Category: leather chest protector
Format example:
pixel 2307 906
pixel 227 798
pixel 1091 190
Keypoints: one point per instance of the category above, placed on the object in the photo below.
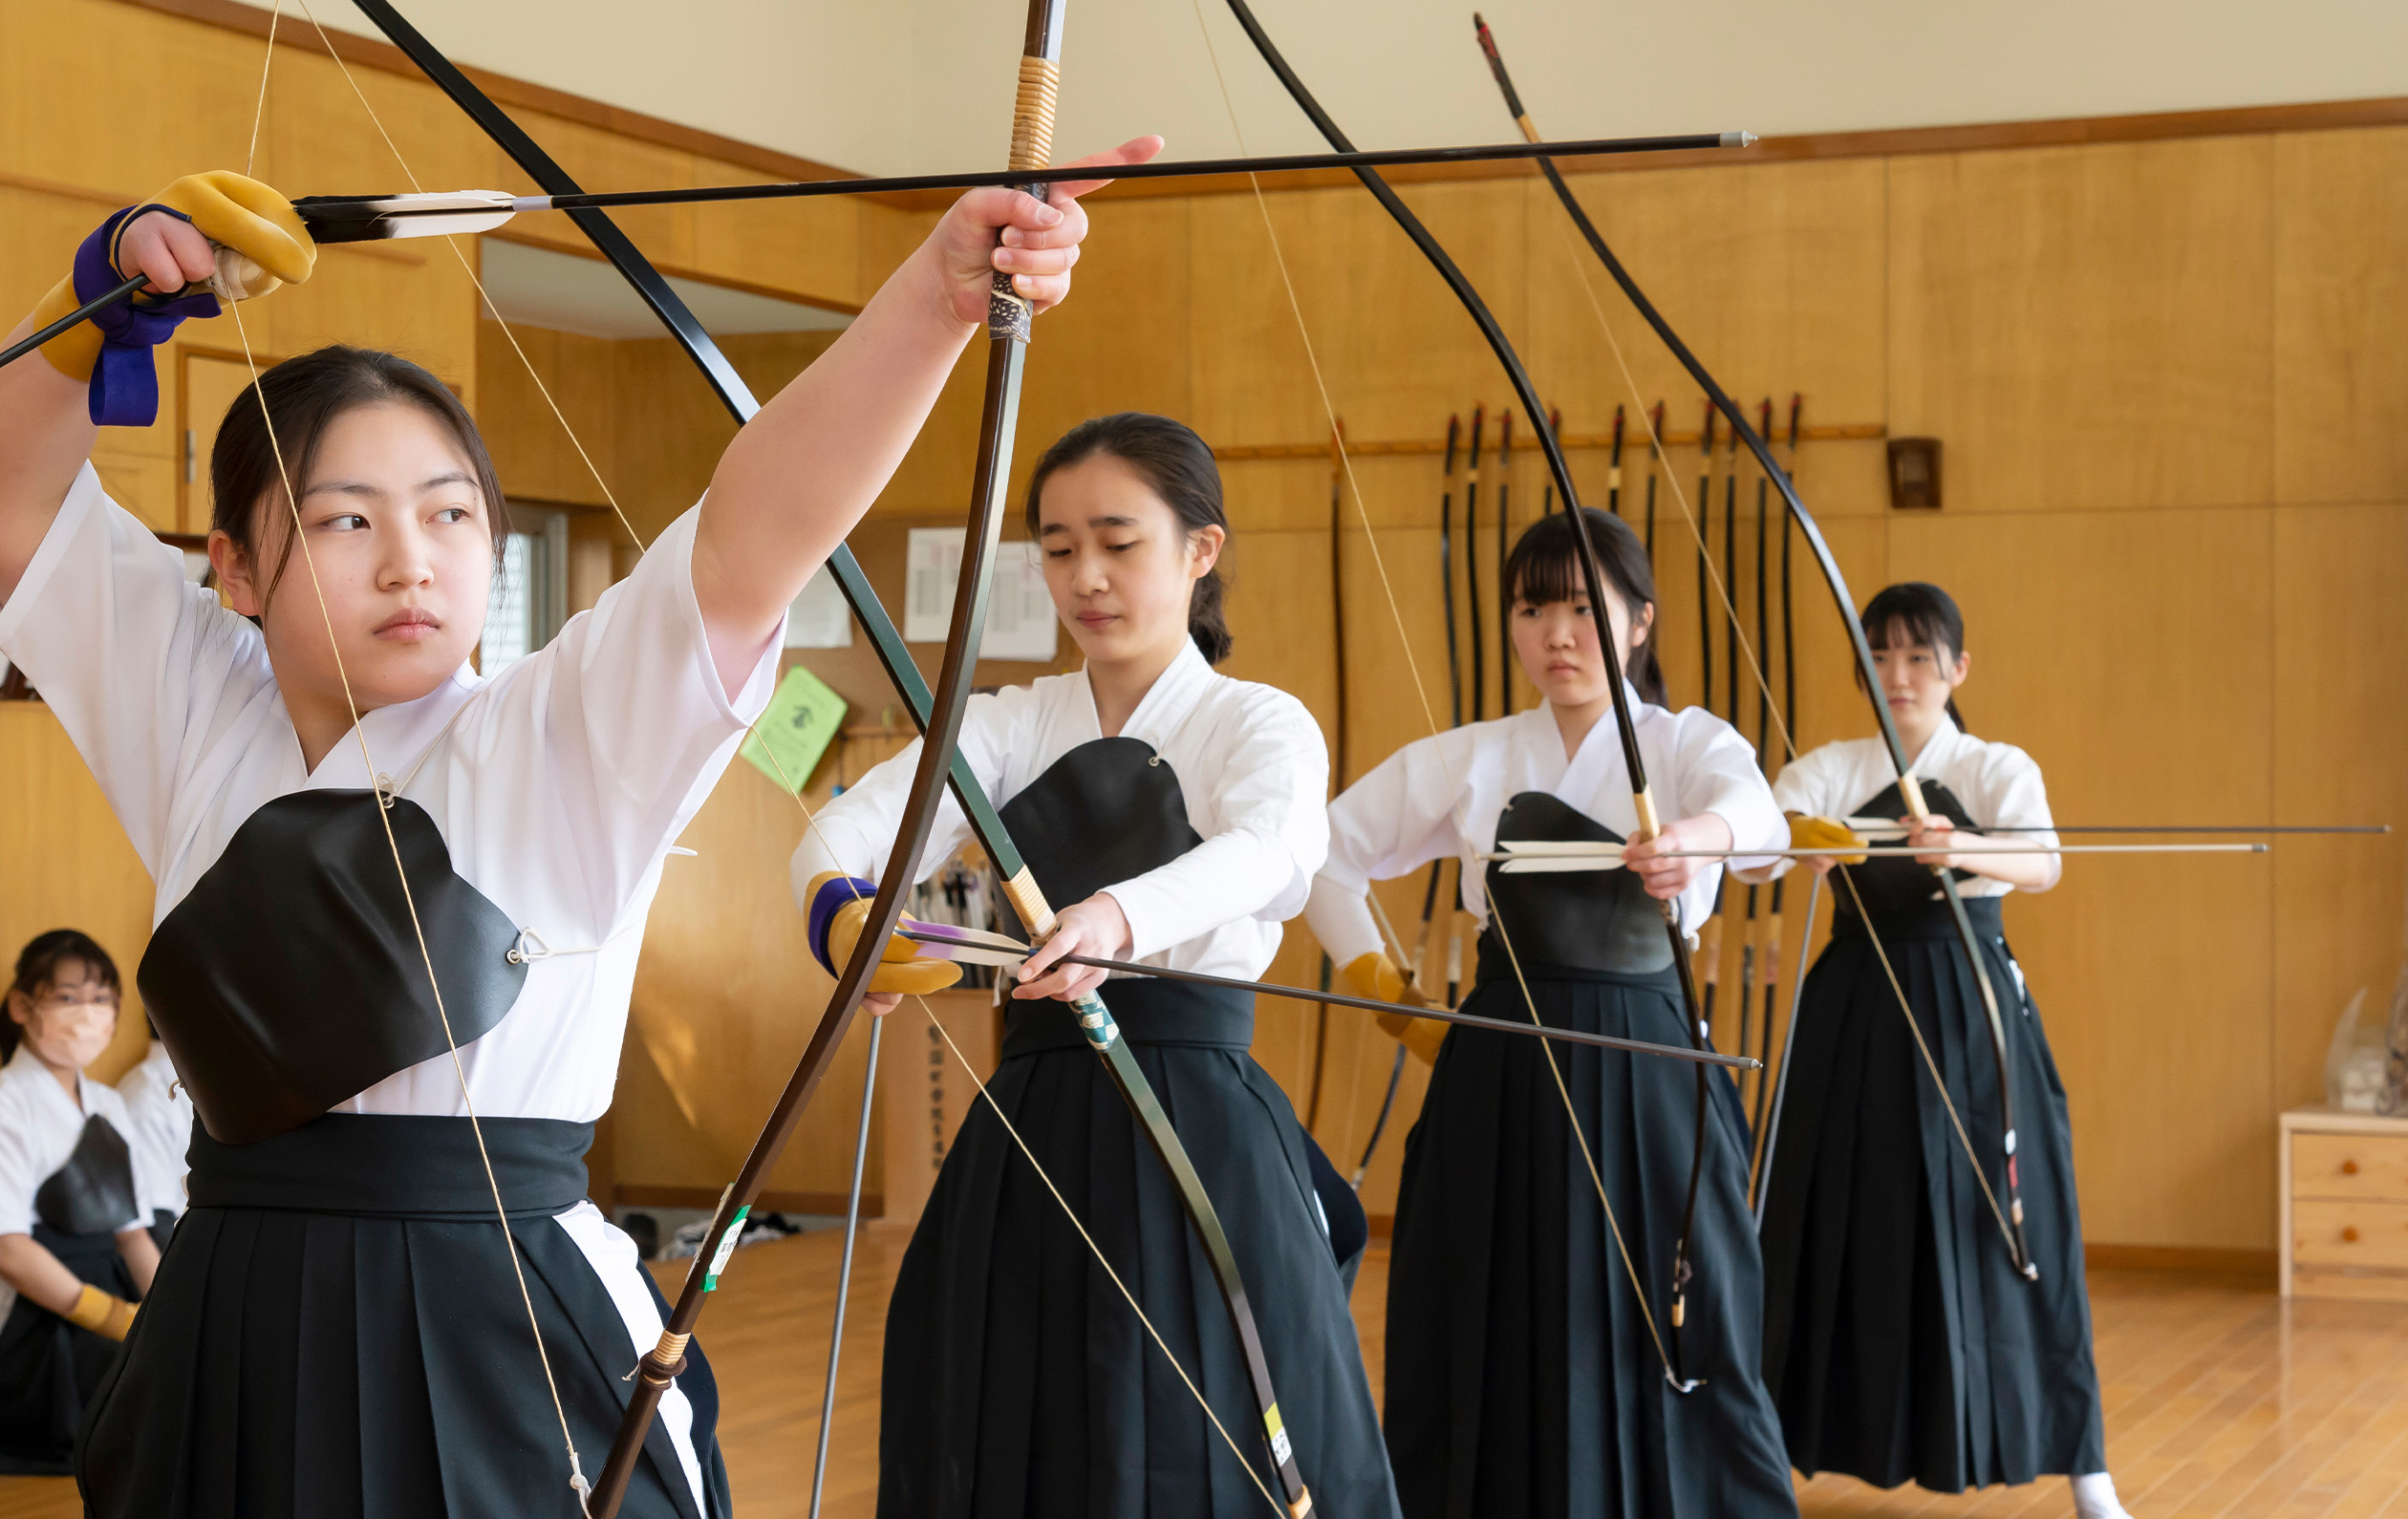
pixel 1109 811
pixel 93 1192
pixel 1899 884
pixel 1590 920
pixel 288 979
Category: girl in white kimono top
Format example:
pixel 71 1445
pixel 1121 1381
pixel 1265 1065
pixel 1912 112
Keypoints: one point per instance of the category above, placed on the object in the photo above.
pixel 73 1257
pixel 1901 1343
pixel 338 1329
pixel 1525 1374
pixel 1172 816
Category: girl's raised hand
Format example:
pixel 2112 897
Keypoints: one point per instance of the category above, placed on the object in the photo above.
pixel 1035 241
pixel 1095 927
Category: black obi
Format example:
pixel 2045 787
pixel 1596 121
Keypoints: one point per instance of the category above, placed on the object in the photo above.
pixel 1899 885
pixel 1109 811
pixel 1588 920
pixel 289 978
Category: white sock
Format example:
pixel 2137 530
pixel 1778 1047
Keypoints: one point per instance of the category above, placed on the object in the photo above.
pixel 2094 1498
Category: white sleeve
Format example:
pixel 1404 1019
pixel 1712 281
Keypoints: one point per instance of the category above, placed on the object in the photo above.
pixel 855 832
pixel 1271 832
pixel 1716 773
pixel 1399 817
pixel 1340 918
pixel 17 1180
pixel 2014 795
pixel 635 727
pixel 144 669
pixel 1811 783
pixel 1393 820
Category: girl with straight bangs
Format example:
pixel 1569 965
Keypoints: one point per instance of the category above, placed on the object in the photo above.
pixel 1899 1341
pixel 1178 813
pixel 1525 1378
pixel 342 1325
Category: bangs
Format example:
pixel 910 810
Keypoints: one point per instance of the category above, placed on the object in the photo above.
pixel 1911 627
pixel 1549 571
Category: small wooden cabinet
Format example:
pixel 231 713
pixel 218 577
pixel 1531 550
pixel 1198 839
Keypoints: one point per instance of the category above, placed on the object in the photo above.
pixel 2345 1205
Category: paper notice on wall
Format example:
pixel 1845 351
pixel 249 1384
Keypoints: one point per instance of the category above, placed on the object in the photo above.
pixel 819 618
pixel 1020 621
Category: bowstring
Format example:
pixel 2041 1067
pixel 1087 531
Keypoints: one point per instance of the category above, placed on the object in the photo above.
pixel 377 782
pixel 1430 716
pixel 384 817
pixel 791 788
pixel 1772 709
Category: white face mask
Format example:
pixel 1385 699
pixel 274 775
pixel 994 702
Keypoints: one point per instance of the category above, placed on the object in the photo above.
pixel 70 1034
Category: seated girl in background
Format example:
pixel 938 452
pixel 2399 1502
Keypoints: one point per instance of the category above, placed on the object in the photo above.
pixel 73 1249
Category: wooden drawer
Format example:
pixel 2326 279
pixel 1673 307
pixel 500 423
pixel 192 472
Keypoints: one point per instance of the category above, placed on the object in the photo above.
pixel 2372 1167
pixel 2329 1234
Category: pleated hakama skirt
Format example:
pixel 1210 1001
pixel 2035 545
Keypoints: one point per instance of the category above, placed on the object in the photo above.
pixel 1018 1384
pixel 1524 1375
pixel 335 1332
pixel 1899 1341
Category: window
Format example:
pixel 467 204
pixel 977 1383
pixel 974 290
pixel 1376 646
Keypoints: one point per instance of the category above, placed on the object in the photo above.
pixel 531 590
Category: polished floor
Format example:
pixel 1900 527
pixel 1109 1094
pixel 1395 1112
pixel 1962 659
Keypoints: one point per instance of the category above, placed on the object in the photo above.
pixel 2221 1399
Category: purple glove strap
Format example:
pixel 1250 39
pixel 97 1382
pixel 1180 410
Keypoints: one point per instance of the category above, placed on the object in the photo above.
pixel 125 388
pixel 831 897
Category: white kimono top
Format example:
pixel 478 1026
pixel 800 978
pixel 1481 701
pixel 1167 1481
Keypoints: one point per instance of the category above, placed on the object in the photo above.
pixel 1252 768
pixel 1444 795
pixel 558 787
pixel 39 1128
pixel 162 1115
pixel 1999 784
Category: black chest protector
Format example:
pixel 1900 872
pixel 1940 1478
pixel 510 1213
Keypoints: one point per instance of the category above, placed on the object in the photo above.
pixel 1898 885
pixel 93 1192
pixel 1591 920
pixel 1106 811
pixel 288 979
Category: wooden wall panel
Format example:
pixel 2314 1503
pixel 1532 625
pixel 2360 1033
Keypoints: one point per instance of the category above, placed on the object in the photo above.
pixel 2340 316
pixel 535 457
pixel 1774 276
pixel 70 863
pixel 2087 326
pixel 2340 628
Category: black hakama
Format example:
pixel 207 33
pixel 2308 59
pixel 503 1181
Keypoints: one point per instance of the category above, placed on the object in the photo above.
pixel 1523 1377
pixel 1018 1385
pixel 335 1332
pixel 1900 1341
pixel 48 1368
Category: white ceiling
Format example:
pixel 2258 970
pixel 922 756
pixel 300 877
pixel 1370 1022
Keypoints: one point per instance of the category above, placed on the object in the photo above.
pixel 536 287
pixel 920 86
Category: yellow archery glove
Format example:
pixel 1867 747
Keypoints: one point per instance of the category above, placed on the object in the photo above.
pixel 1375 975
pixel 108 1317
pixel 1826 833
pixel 261 243
pixel 838 911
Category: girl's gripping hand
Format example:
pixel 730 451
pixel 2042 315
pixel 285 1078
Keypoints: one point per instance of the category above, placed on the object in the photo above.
pixel 1668 877
pixel 1095 927
pixel 1035 241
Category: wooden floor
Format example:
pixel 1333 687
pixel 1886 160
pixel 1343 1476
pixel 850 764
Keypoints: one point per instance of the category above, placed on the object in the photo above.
pixel 2221 1399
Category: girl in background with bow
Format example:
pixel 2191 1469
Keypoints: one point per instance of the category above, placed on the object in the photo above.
pixel 399 904
pixel 1525 1377
pixel 1178 814
pixel 74 1251
pixel 1901 1343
